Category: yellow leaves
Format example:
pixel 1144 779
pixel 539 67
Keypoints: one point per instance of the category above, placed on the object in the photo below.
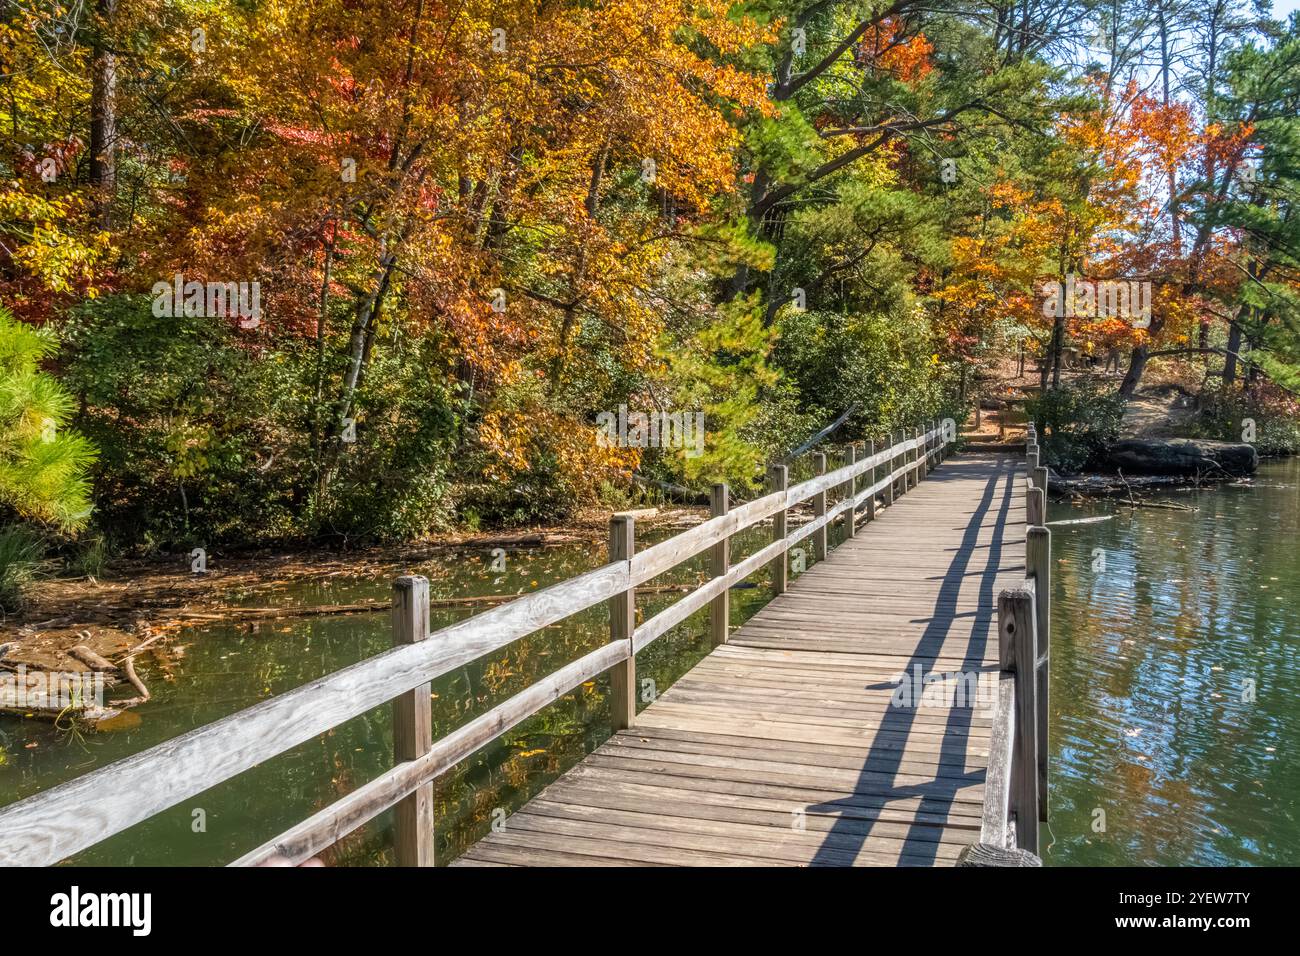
pixel 45 237
pixel 515 438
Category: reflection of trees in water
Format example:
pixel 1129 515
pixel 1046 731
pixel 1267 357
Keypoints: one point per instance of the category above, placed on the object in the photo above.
pixel 1148 664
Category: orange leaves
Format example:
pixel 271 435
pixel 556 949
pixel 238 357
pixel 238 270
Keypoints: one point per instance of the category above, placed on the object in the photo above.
pixel 1226 147
pixel 1105 333
pixel 884 47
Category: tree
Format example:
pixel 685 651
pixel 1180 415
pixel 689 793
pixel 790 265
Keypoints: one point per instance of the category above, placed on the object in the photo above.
pixel 43 466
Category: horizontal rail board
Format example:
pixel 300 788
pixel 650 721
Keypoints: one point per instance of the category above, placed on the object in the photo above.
pixel 659 558
pixel 699 598
pixel 808 527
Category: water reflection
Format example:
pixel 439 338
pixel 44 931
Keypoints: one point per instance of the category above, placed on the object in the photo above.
pixel 1175 672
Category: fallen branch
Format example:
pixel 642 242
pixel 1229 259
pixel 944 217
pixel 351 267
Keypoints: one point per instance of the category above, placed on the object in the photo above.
pixel 129 667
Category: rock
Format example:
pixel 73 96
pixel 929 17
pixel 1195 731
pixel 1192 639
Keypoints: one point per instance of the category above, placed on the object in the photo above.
pixel 1153 456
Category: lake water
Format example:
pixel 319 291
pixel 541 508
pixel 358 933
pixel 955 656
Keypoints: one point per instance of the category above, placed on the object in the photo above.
pixel 1175 679
pixel 1162 620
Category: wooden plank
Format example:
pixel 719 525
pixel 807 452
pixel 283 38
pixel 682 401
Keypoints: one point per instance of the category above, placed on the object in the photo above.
pixel 854 803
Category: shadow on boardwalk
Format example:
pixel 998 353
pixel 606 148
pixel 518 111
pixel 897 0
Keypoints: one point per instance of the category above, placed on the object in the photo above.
pixel 936 796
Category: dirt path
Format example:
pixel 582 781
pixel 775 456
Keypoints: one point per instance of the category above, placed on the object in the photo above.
pixel 1157 411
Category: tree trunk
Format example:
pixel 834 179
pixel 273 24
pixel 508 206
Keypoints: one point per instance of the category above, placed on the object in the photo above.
pixel 1230 361
pixel 1058 342
pixel 1137 364
pixel 103 112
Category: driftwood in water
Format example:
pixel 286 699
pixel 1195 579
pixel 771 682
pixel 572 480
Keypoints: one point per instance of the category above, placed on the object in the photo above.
pixel 1105 485
pixel 92 660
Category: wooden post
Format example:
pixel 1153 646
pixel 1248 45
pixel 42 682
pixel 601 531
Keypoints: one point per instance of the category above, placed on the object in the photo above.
pixel 720 559
pixel 622 622
pixel 819 509
pixel 922 460
pixel 1034 507
pixel 1017 651
pixel 887 493
pixel 910 459
pixel 1038 562
pixel 777 476
pixel 1040 478
pixel 851 488
pixel 412 728
pixel 906 461
pixel 871 480
pixel 1031 459
pixel 900 484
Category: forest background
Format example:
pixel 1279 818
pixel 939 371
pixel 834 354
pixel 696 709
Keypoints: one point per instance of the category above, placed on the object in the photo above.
pixel 470 227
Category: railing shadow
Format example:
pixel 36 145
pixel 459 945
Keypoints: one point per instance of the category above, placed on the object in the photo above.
pixel 848 834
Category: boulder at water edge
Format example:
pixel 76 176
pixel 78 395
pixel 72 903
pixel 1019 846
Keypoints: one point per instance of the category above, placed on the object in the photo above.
pixel 1145 456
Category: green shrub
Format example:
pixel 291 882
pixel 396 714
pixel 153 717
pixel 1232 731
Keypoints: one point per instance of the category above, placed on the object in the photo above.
pixel 1076 423
pixel 1275 414
pixel 206 441
pixel 43 466
pixel 20 556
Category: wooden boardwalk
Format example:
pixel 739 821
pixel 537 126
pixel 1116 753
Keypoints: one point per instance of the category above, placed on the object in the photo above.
pixel 784 746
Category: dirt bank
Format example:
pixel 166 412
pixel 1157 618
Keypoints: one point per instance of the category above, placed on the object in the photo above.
pixel 139 600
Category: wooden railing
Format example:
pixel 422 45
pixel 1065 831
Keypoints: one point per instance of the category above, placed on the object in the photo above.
pixel 1015 791
pixel 50 826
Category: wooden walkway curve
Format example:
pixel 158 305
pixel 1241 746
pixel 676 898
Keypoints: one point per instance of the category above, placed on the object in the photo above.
pixel 786 746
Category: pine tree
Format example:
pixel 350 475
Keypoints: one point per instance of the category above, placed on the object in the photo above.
pixel 43 468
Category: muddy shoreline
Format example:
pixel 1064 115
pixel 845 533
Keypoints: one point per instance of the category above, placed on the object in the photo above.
pixel 142 601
